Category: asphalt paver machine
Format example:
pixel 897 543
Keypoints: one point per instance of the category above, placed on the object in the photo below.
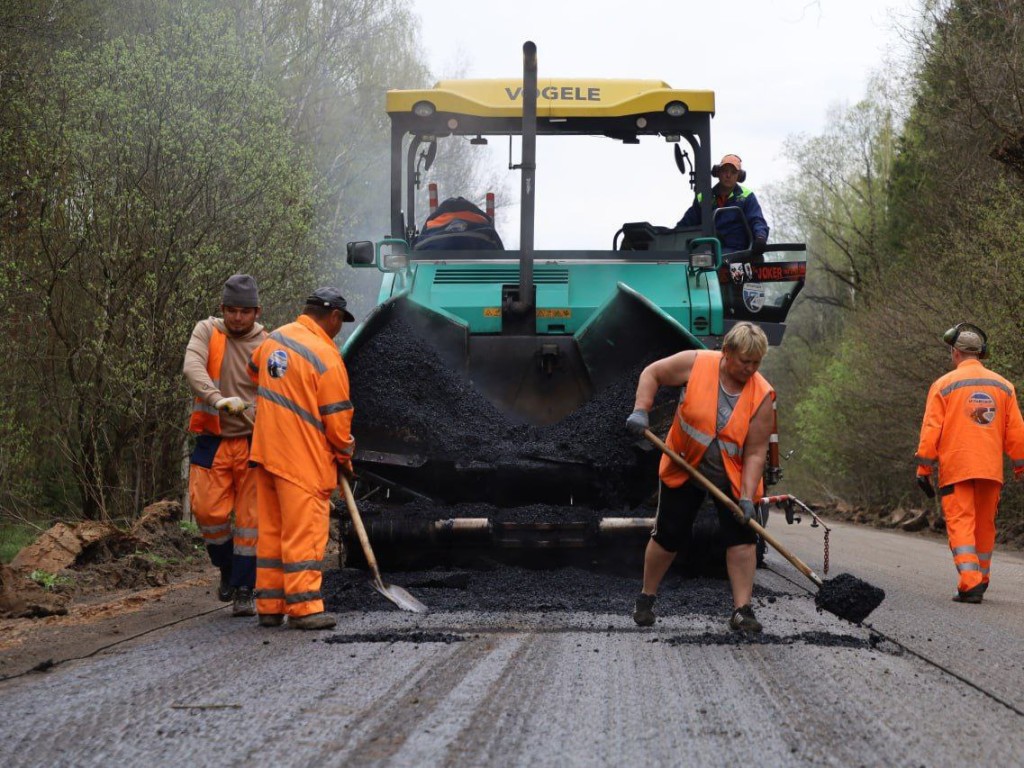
pixel 501 378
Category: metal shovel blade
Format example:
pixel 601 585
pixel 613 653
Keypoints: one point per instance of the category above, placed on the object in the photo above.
pixel 399 597
pixel 396 595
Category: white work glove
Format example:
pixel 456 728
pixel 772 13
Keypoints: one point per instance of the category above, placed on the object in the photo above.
pixel 233 405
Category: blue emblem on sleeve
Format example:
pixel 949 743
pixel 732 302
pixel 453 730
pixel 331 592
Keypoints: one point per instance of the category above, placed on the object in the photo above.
pixel 277 363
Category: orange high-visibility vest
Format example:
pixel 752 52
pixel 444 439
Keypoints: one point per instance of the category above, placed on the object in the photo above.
pixel 971 418
pixel 205 418
pixel 694 427
pixel 304 429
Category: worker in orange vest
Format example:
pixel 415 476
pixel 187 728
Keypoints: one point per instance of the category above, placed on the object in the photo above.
pixel 971 419
pixel 722 428
pixel 216 363
pixel 303 439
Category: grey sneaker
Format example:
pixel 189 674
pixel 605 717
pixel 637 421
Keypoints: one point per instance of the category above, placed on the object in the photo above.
pixel 244 604
pixel 271 619
pixel 312 621
pixel 224 589
pixel 643 610
pixel 743 620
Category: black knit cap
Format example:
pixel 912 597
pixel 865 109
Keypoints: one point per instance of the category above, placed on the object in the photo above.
pixel 332 298
pixel 240 291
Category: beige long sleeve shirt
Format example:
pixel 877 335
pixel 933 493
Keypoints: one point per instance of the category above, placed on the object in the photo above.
pixel 234 376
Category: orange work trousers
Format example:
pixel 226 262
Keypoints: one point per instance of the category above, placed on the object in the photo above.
pixel 970 511
pixel 294 526
pixel 219 481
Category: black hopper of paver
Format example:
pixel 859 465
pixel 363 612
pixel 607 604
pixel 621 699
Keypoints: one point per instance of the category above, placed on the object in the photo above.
pixel 421 424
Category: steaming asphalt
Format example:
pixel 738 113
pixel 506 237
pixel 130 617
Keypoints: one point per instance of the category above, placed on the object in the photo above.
pixel 546 686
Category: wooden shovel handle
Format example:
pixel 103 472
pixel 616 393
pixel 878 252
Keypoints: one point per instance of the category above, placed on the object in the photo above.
pixel 357 521
pixel 733 507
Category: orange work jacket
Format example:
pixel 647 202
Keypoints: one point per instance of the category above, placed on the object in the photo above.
pixel 695 425
pixel 205 418
pixel 304 429
pixel 971 419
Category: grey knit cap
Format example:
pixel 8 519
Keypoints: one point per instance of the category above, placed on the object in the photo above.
pixel 240 291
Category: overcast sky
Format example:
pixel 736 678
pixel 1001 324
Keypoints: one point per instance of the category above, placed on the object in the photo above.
pixel 776 67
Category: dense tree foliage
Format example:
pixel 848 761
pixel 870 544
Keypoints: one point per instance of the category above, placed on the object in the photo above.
pixel 147 151
pixel 912 205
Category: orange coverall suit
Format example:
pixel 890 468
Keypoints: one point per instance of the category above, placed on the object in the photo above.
pixel 303 433
pixel 220 479
pixel 971 419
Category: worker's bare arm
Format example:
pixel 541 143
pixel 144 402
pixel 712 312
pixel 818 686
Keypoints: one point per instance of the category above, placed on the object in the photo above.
pixel 673 371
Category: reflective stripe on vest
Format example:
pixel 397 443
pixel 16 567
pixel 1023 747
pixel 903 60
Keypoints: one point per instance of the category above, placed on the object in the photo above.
pixel 205 418
pixel 975 383
pixel 694 429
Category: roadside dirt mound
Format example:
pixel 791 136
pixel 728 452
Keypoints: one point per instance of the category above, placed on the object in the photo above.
pixel 1009 531
pixel 22 598
pixel 93 557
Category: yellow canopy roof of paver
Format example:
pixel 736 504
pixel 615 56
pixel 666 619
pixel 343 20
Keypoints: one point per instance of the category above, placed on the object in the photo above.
pixel 557 97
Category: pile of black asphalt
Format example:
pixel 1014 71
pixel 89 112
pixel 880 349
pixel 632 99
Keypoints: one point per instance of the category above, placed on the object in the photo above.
pixel 506 588
pixel 400 384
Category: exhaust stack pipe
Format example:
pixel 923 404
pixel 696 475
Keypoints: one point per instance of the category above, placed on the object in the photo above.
pixel 524 306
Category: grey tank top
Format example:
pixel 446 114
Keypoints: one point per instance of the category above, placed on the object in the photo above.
pixel 711 464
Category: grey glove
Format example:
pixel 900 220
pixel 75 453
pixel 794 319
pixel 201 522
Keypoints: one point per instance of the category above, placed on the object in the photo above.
pixel 749 510
pixel 924 482
pixel 637 422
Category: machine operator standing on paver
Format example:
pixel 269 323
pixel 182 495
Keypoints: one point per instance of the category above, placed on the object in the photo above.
pixel 220 479
pixel 971 419
pixel 303 439
pixel 730 193
pixel 722 428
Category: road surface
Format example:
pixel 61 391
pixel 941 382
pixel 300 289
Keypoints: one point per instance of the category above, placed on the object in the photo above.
pixel 924 682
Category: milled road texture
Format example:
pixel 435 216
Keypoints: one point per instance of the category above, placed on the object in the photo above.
pixel 546 668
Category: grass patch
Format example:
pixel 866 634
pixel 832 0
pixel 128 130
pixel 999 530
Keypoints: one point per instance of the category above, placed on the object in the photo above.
pixel 14 536
pixel 158 559
pixel 48 580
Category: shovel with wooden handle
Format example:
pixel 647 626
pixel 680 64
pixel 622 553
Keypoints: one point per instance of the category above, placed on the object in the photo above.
pixel 846 596
pixel 396 595
pixel 733 507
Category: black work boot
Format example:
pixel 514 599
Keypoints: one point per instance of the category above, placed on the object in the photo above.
pixel 973 595
pixel 271 619
pixel 312 621
pixel 743 620
pixel 643 610
pixel 225 592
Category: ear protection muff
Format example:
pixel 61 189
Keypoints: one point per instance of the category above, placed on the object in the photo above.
pixel 953 334
pixel 741 177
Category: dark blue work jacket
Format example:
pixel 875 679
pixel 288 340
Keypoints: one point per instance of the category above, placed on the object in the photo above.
pixel 729 225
